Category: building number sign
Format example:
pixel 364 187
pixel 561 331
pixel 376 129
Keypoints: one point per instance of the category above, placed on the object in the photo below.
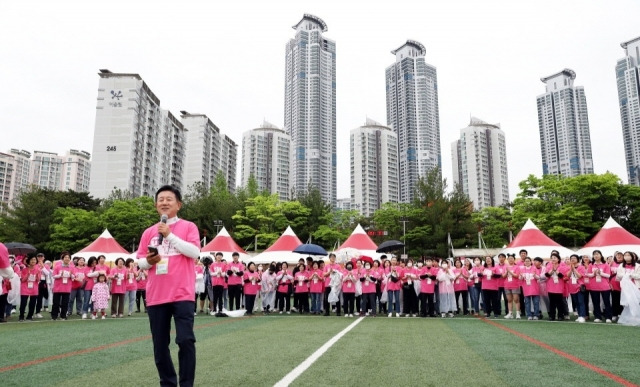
pixel 111 148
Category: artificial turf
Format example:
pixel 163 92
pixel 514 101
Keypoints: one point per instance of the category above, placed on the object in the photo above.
pixel 261 350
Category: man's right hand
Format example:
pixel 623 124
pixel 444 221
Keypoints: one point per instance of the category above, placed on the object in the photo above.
pixel 153 258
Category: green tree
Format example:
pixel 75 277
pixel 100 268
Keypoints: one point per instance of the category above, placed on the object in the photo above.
pixel 73 229
pixel 319 212
pixel 127 219
pixel 494 223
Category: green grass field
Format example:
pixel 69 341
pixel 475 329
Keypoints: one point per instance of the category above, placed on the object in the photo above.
pixel 261 350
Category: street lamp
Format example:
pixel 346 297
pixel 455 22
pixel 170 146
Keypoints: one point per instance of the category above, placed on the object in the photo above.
pixel 403 220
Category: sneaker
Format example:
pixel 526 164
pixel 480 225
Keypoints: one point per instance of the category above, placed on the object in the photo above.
pixel 288 312
pixel 597 320
pixel 104 317
pixel 567 317
pixel 113 316
pixel 608 320
pixel 451 315
pixel 414 315
pixel 407 315
pixel 21 320
pixel 84 316
pixel 535 318
pixel 93 317
pixel 38 315
pixel 444 315
pixel 120 315
pixel 194 313
pixel 615 318
pixel 350 314
pixel 508 315
pixel 280 312
pixel 212 313
pixel 63 319
pixel 398 315
pixel 390 315
pixel 580 319
pixel 530 318
pixel 518 316
pixel 346 315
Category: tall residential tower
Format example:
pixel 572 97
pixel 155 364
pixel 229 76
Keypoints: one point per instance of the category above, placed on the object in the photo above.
pixel 310 107
pixel 480 164
pixel 563 123
pixel 412 113
pixel 628 80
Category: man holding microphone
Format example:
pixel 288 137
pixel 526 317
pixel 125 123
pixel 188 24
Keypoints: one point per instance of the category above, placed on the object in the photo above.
pixel 169 250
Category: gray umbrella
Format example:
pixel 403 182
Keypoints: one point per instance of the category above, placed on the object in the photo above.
pixel 391 245
pixel 17 248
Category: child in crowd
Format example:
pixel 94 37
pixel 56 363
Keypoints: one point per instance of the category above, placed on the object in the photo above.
pixel 100 296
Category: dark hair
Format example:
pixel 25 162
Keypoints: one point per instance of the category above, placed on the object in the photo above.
pixel 29 258
pixel 92 260
pixel 383 256
pixel 485 261
pixel 458 261
pixel 250 263
pixel 169 188
pixel 62 254
pixel 577 257
pixel 502 255
pixel 538 259
pixel 349 263
pixel 634 259
pixel 128 261
pixel 235 254
pixel 594 256
pixel 119 259
pixel 519 252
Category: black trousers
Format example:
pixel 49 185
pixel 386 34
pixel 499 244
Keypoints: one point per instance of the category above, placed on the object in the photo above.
pixel 368 303
pixel 250 301
pixel 160 324
pixel 283 300
pixel 301 301
pixel 491 300
pixel 23 304
pixel 3 306
pixel 60 305
pixel 349 300
pixel 325 303
pixel 43 292
pixel 235 292
pixel 141 295
pixel 427 306
pixel 556 307
pixel 217 298
pixel 465 301
pixel 410 301
pixel 615 303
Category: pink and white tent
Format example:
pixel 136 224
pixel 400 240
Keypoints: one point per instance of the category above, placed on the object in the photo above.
pixel 104 245
pixel 611 238
pixel 226 245
pixel 281 249
pixel 358 241
pixel 535 242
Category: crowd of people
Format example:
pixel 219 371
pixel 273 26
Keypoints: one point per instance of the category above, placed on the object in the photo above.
pixel 509 287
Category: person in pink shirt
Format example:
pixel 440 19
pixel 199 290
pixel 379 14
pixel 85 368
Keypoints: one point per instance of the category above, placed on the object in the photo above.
pixel 301 288
pixel 616 308
pixel 251 279
pixel 446 292
pixel 102 267
pixel 29 278
pixel 6 274
pixel 460 286
pixel 427 275
pixel 100 296
pixel 61 287
pixel 201 292
pixel 349 278
pixel 510 276
pixel 331 267
pixel 92 279
pixel 218 271
pixel 368 279
pixel 131 286
pixel 489 285
pixel 78 276
pixel 410 298
pixel 599 274
pixel 529 276
pixel 235 272
pixel 574 278
pixel 118 275
pixel 170 286
pixel 384 269
pixel 283 295
pixel 555 287
pixel 502 294
pixel 141 293
pixel 475 287
pixel 316 287
pixel 394 284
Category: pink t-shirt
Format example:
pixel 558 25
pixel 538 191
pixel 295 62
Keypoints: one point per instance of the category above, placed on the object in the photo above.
pixel 284 278
pixel 488 280
pixel 29 279
pixel 573 282
pixel 394 271
pixel 142 279
pixel 79 276
pixel 529 283
pixel 176 282
pixel 251 282
pixel 301 282
pixel 599 282
pixel 327 269
pixel 476 274
pixel 316 283
pixel 130 279
pixel 62 284
pixel 511 281
pixel 368 285
pixel 614 281
pixel 555 284
pixel 428 285
pixel 501 269
pixel 349 279
pixel 460 284
pixel 237 271
pixel 218 272
pixel 118 280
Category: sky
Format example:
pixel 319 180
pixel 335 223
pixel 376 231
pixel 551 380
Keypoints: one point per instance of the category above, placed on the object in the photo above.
pixel 226 60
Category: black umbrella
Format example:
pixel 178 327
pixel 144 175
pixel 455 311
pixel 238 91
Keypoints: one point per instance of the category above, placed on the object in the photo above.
pixel 391 245
pixel 17 248
pixel 310 249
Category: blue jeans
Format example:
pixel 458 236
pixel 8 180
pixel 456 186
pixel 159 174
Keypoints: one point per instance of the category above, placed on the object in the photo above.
pixel 87 301
pixel 577 301
pixel 75 295
pixel 474 293
pixel 535 300
pixel 393 296
pixel 316 302
pixel 131 296
pixel 160 323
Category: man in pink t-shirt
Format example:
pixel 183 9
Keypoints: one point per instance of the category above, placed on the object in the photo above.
pixel 170 286
pixel 6 273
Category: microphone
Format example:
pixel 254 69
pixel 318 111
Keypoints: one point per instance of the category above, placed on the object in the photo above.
pixel 163 219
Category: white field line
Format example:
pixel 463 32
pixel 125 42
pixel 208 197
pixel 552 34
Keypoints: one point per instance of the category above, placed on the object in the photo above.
pixel 291 376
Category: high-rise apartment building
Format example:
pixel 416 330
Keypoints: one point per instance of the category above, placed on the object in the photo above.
pixel 266 155
pixel 563 123
pixel 310 107
pixel 209 152
pixel 628 80
pixel 412 113
pixel 137 146
pixel 374 167
pixel 479 162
